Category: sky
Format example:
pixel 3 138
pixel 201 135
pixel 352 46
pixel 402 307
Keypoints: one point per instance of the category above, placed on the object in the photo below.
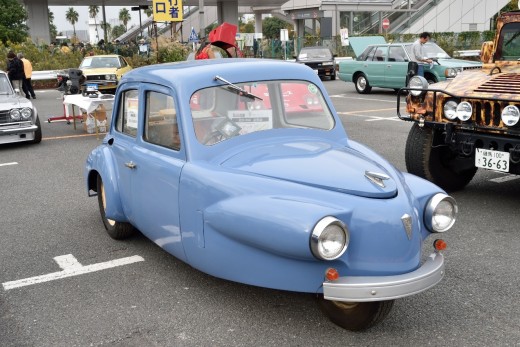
pixel 112 12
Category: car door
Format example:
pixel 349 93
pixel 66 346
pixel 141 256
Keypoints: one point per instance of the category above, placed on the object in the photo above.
pixel 375 66
pixel 158 158
pixel 396 67
pixel 123 141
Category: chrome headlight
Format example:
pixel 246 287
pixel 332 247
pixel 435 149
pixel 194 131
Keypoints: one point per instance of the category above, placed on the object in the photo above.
pixel 464 111
pixel 510 115
pixel 110 77
pixel 418 82
pixel 15 114
pixel 329 239
pixel 450 109
pixel 440 213
pixel 26 113
pixel 450 72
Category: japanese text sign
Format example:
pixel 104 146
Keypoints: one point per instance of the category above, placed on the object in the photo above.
pixel 167 10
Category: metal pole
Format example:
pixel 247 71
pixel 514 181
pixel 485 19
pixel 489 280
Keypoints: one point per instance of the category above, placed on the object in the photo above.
pixel 140 23
pixel 202 32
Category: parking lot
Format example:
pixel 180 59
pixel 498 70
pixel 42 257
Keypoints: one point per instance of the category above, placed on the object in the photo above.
pixel 65 282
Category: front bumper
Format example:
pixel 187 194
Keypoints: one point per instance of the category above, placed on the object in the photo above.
pixel 380 288
pixel 17 130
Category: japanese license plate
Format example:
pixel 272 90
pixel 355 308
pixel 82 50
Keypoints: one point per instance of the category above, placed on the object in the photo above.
pixel 492 160
pixel 91 87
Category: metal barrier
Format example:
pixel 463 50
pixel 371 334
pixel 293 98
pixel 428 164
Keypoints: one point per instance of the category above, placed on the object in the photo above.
pixel 44 75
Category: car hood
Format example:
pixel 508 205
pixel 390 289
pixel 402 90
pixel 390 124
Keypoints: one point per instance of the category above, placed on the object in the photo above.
pixel 8 102
pixel 100 71
pixel 317 164
pixel 459 63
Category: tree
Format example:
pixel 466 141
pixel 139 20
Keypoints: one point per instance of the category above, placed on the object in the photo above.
pixel 107 28
pixel 12 22
pixel 271 27
pixel 52 28
pixel 124 17
pixel 117 31
pixel 72 17
pixel 93 12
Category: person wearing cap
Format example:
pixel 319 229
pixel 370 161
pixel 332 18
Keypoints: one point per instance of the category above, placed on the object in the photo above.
pixel 15 70
pixel 27 83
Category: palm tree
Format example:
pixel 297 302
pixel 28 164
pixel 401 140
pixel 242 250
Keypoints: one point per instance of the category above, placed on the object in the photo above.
pixel 72 17
pixel 124 17
pixel 93 12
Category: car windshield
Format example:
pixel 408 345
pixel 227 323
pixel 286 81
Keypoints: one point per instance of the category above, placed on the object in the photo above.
pixel 230 110
pixel 5 85
pixel 509 42
pixel 99 62
pixel 432 50
pixel 315 53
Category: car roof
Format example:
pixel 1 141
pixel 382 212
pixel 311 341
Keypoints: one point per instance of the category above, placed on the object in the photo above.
pixel 103 56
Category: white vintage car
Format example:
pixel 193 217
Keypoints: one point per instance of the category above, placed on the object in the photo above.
pixel 19 120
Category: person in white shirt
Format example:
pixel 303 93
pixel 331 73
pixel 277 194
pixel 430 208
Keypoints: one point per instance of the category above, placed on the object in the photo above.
pixel 418 54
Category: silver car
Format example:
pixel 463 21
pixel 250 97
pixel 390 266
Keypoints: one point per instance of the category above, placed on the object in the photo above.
pixel 19 120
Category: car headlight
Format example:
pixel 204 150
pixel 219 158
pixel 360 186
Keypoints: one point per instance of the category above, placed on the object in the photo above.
pixel 440 213
pixel 464 111
pixel 450 73
pixel 418 82
pixel 26 113
pixel 15 114
pixel 110 77
pixel 450 109
pixel 510 115
pixel 329 239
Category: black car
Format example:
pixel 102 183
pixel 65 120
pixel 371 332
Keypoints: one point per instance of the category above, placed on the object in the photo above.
pixel 320 59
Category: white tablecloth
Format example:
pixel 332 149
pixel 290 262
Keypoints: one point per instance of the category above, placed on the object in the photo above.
pixel 87 104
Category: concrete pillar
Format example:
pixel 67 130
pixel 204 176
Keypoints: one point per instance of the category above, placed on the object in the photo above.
pixel 38 20
pixel 227 11
pixel 258 22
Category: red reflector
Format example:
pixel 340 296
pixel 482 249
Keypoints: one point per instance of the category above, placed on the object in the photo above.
pixel 439 245
pixel 331 274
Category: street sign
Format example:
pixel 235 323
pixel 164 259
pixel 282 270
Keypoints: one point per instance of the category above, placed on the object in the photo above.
pixel 385 23
pixel 167 11
pixel 193 36
pixel 284 35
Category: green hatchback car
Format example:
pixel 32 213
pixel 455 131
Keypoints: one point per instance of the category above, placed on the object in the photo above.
pixel 386 66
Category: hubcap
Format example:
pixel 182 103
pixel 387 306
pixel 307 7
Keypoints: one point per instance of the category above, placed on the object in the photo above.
pixel 362 83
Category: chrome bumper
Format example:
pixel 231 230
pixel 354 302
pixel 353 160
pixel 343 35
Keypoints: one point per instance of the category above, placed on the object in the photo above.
pixel 20 130
pixel 379 288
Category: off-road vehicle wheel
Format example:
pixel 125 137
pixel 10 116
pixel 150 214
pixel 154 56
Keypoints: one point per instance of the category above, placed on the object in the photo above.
pixel 436 163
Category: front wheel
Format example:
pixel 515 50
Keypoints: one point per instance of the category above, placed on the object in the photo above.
pixel 436 162
pixel 362 85
pixel 116 230
pixel 38 132
pixel 355 316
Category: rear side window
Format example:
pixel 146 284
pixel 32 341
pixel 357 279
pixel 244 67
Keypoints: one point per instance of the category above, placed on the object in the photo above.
pixel 397 54
pixel 127 119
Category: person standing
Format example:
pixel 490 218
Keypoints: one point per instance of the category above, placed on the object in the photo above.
pixel 27 83
pixel 418 55
pixel 15 70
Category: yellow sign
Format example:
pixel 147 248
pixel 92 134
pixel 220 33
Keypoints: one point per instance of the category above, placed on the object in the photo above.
pixel 167 10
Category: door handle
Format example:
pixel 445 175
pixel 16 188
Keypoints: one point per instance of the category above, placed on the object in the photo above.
pixel 389 66
pixel 131 165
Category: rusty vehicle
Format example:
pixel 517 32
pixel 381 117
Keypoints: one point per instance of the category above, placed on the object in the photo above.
pixel 472 121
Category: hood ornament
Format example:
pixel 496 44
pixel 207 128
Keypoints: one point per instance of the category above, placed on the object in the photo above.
pixel 407 223
pixel 377 178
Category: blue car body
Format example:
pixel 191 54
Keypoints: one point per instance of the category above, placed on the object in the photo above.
pixel 244 208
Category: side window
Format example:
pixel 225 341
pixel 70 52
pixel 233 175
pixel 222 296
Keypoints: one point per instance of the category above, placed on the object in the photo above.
pixel 161 126
pixel 397 54
pixel 381 53
pixel 122 62
pixel 370 54
pixel 127 113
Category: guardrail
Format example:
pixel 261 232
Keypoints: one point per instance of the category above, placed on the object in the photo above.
pixel 44 75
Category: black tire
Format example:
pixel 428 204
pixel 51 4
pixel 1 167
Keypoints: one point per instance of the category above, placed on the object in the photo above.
pixel 333 76
pixel 438 164
pixel 116 230
pixel 362 84
pixel 38 132
pixel 355 316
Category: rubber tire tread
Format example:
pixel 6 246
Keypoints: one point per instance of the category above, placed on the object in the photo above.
pixel 361 317
pixel 425 161
pixel 118 231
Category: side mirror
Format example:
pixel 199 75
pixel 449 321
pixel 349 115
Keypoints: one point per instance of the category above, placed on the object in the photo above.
pixel 486 52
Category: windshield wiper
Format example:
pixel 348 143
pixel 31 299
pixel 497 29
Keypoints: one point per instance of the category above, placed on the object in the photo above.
pixel 241 91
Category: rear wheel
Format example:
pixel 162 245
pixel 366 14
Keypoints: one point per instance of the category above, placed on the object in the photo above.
pixel 355 316
pixel 436 163
pixel 362 85
pixel 116 230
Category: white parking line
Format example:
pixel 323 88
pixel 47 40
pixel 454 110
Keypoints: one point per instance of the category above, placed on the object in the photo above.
pixel 505 178
pixel 370 118
pixel 7 164
pixel 343 96
pixel 71 267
